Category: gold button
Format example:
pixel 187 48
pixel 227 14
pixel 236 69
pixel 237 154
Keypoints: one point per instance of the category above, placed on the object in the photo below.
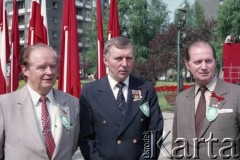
pixel 104 122
pixel 119 141
pixel 141 120
pixel 134 141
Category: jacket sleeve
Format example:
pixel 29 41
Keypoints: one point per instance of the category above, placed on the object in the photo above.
pixel 156 122
pixel 87 141
pixel 2 137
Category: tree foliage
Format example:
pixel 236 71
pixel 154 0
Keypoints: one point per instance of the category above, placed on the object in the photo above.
pixel 140 21
pixel 228 19
pixel 164 45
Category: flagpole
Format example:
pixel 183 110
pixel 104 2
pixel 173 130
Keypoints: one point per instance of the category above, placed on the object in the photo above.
pixel 11 70
pixel 65 59
pixel 99 60
pixel 4 49
pixel 109 36
pixel 32 36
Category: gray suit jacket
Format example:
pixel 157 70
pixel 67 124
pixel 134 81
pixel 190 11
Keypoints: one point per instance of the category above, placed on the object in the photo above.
pixel 225 128
pixel 19 134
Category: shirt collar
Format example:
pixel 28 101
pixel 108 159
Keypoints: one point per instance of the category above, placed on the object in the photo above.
pixel 35 96
pixel 113 83
pixel 210 86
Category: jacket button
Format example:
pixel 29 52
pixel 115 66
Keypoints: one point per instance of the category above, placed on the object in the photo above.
pixel 119 141
pixel 141 120
pixel 134 141
pixel 104 122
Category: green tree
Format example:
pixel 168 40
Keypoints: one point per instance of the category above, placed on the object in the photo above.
pixel 198 15
pixel 140 20
pixel 228 19
pixel 164 45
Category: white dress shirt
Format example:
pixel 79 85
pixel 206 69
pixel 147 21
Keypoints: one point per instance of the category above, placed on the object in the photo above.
pixel 210 88
pixel 115 89
pixel 53 111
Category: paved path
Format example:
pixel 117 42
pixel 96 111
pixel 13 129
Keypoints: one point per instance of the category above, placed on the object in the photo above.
pixel 166 147
pixel 167 144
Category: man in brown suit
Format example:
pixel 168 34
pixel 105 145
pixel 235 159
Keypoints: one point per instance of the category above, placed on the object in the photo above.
pixel 206 123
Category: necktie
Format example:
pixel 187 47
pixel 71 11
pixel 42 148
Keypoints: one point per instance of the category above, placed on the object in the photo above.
pixel 46 125
pixel 120 98
pixel 201 111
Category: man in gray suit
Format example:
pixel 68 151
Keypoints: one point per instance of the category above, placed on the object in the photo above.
pixel 27 131
pixel 119 123
pixel 207 116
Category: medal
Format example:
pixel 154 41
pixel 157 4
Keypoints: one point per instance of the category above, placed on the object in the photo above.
pixel 136 95
pixel 212 113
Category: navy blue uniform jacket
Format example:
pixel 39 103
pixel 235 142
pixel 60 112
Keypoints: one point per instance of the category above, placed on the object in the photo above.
pixel 107 135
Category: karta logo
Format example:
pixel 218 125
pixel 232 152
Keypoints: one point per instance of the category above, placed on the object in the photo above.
pixel 152 145
pixel 225 148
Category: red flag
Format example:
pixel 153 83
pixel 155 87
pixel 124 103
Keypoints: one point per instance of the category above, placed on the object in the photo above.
pixel 3 82
pixel 113 22
pixel 69 76
pixel 101 69
pixel 44 16
pixel 4 46
pixel 37 31
pixel 15 52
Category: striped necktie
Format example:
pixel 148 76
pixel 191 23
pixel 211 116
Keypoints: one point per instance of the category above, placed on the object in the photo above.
pixel 120 98
pixel 201 111
pixel 46 125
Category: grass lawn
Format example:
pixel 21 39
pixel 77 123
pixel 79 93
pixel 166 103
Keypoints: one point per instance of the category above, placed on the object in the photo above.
pixel 161 99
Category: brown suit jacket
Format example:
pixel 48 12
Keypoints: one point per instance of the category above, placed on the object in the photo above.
pixel 217 134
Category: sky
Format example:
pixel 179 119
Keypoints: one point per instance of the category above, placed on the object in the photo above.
pixel 173 5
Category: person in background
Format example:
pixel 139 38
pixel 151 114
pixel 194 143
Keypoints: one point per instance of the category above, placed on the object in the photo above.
pixel 38 121
pixel 207 115
pixel 119 111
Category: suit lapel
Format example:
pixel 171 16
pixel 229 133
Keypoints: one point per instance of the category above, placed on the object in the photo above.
pixel 63 110
pixel 219 90
pixel 133 107
pixel 26 107
pixel 104 96
pixel 190 108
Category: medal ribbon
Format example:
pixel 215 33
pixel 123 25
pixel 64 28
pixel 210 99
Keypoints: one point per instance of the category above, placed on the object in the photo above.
pixel 219 98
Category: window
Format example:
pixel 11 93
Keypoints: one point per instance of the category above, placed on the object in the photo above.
pixel 21 35
pixel 54 5
pixel 79 11
pixel 21 19
pixel 88 14
pixel 55 20
pixel 88 2
pixel 10 7
pixel 21 4
pixel 54 34
pixel 9 21
pixel 28 3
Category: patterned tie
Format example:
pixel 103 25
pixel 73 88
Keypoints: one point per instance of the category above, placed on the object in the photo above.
pixel 201 111
pixel 49 141
pixel 120 98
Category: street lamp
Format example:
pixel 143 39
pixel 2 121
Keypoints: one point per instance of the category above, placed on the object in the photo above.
pixel 181 23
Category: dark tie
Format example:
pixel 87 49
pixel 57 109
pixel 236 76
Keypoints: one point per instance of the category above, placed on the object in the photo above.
pixel 46 125
pixel 120 98
pixel 201 111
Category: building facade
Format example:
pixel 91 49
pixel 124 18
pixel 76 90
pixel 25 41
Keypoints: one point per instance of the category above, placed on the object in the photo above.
pixel 54 20
pixel 210 8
